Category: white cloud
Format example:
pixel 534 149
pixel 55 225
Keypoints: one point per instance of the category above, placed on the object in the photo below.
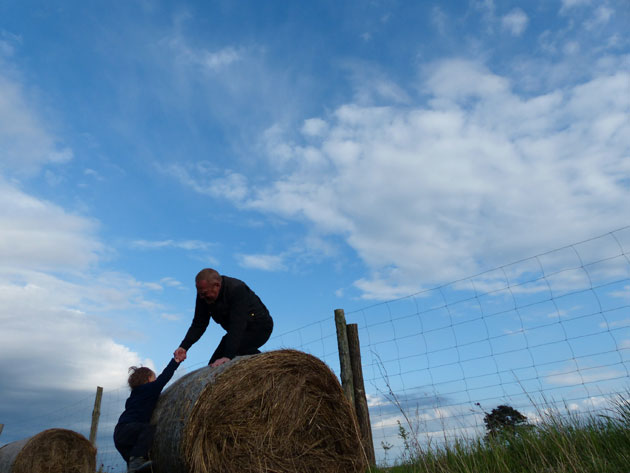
pixel 478 177
pixel 573 377
pixel 210 61
pixel 8 44
pixel 232 186
pixel 624 294
pixel 6 48
pixel 458 79
pixel 40 235
pixel 381 289
pixel 192 245
pixel 371 85
pixel 615 324
pixel 314 127
pixel 94 174
pixel 439 19
pixel 51 294
pixel 571 48
pixel 409 185
pixel 602 15
pixel 264 262
pixel 171 282
pixel 515 22
pixel 48 331
pixel 202 178
pixel 216 59
pixel 25 143
pixel 374 400
pixel 58 334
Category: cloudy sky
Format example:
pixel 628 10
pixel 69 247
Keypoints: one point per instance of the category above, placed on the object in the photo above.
pixel 330 154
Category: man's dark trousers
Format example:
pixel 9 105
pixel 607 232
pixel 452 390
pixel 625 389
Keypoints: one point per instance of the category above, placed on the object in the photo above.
pixel 252 340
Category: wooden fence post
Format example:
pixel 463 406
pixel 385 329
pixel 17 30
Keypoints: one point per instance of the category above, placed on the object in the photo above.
pixel 344 355
pixel 1 427
pixel 96 414
pixel 360 400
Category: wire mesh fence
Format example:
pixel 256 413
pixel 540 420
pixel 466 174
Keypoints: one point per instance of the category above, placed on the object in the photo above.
pixel 547 332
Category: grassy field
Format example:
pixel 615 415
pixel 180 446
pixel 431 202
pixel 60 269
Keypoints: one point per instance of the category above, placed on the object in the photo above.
pixel 560 443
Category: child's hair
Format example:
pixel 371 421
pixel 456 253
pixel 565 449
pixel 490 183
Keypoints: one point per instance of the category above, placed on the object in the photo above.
pixel 139 375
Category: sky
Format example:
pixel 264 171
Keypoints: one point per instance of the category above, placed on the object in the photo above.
pixel 330 154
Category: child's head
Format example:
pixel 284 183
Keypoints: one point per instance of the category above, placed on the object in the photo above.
pixel 140 375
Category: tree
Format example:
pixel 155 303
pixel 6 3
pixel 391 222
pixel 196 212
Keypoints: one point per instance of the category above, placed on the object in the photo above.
pixel 504 421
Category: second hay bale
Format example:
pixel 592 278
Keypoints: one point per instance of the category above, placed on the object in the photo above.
pixel 50 451
pixel 281 411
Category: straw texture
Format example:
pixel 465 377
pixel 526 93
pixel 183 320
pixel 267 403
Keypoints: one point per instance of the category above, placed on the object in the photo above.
pixel 50 451
pixel 277 412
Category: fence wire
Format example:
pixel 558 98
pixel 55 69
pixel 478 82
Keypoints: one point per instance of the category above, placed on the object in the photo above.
pixel 547 332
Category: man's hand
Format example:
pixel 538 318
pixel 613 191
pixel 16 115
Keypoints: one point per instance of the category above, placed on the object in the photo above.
pixel 179 355
pixel 219 362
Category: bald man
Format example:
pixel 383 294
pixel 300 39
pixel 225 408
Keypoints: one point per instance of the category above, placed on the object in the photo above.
pixel 234 306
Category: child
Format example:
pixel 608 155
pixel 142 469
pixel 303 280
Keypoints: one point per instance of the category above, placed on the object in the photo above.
pixel 133 434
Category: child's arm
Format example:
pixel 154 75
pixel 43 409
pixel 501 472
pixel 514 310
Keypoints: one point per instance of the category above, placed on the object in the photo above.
pixel 167 374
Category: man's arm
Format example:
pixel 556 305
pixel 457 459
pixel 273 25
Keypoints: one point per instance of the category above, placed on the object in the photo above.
pixel 197 327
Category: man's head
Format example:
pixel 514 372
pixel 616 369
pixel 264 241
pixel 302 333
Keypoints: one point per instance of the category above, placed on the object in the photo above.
pixel 208 283
pixel 140 375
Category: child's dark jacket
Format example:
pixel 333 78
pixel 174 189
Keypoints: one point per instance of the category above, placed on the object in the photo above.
pixel 143 398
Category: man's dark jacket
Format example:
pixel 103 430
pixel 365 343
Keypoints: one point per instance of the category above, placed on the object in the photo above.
pixel 237 309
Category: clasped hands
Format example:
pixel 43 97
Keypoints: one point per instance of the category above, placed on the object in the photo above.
pixel 180 355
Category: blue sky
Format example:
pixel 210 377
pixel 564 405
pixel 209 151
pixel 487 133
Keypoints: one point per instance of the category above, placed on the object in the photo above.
pixel 330 154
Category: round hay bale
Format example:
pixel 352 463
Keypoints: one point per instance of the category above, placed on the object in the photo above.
pixel 281 411
pixel 50 451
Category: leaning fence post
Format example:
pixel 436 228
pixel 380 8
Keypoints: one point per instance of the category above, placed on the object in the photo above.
pixel 96 413
pixel 1 427
pixel 360 400
pixel 344 355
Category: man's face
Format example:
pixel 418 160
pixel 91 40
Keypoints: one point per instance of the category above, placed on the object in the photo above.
pixel 208 290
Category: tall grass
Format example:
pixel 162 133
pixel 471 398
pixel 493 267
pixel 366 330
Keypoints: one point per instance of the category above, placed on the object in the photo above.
pixel 560 442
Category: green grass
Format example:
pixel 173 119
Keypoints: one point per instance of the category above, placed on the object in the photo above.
pixel 560 443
